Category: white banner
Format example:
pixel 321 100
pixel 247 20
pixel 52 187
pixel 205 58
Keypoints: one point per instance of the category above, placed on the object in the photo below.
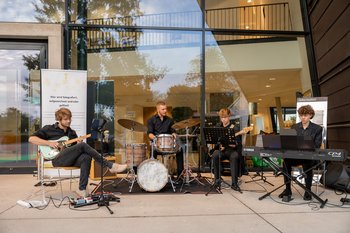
pixel 64 88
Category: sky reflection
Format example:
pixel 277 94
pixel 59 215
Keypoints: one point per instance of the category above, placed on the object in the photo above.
pixel 18 10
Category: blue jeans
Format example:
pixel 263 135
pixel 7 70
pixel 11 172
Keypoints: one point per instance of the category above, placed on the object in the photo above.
pixel 80 155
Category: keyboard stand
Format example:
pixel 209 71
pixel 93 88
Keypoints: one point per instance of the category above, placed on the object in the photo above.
pixel 274 165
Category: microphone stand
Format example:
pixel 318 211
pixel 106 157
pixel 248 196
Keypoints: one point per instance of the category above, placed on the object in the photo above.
pixel 102 199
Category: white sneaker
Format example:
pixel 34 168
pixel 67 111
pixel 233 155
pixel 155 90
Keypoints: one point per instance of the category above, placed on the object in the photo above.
pixel 82 193
pixel 118 168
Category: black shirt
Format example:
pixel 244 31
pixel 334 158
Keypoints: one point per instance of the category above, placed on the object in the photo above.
pixel 313 130
pixel 157 126
pixel 53 132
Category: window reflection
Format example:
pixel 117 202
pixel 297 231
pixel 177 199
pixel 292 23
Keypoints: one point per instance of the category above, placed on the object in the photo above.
pixel 130 68
pixel 163 65
pixel 19 106
pixel 141 13
pixel 254 15
pixel 265 72
pixel 43 11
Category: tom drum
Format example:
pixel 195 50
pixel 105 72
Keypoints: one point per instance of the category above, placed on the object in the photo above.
pixel 135 154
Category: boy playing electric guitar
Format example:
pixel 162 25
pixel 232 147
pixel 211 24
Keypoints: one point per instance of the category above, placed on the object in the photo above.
pixel 78 154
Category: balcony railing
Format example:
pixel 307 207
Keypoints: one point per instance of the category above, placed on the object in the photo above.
pixel 257 17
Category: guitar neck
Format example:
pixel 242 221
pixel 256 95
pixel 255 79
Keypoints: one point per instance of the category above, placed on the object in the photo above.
pixel 243 131
pixel 77 139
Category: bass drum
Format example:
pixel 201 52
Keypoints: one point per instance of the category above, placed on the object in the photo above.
pixel 152 175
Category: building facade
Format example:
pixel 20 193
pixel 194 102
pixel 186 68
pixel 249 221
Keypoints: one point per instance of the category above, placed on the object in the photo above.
pixel 197 56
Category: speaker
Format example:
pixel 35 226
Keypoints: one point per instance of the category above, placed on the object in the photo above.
pixel 338 176
pixel 95 170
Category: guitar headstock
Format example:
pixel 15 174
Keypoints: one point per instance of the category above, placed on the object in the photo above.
pixel 248 129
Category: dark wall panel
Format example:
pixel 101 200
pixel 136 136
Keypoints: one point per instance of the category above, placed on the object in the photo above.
pixel 337 137
pixel 329 22
pixel 340 98
pixel 336 82
pixel 332 13
pixel 334 56
pixel 334 35
pixel 318 8
pixel 339 115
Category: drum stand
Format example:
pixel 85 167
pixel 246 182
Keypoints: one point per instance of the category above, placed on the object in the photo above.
pixel 130 175
pixel 187 172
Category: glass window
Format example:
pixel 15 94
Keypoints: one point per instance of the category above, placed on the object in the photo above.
pixel 250 15
pixel 140 68
pixel 20 102
pixel 221 87
pixel 131 67
pixel 266 71
pixel 159 13
pixel 288 115
pixel 42 11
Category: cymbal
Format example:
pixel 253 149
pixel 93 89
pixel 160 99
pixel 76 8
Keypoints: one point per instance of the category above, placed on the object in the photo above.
pixel 186 123
pixel 132 125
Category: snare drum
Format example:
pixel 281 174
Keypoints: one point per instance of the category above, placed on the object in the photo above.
pixel 139 151
pixel 152 175
pixel 165 143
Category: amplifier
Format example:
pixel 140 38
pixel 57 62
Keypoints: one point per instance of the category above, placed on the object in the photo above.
pixel 95 171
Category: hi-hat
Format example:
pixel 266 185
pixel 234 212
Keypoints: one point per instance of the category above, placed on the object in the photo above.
pixel 186 123
pixel 132 125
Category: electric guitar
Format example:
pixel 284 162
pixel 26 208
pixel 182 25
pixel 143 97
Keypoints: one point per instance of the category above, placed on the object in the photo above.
pixel 50 153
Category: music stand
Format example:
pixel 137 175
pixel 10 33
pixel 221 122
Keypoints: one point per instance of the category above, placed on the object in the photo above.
pixel 217 136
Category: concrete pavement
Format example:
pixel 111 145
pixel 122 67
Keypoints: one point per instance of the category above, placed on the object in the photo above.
pixel 157 213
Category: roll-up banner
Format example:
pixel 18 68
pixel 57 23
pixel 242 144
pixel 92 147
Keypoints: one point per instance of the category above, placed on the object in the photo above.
pixel 64 88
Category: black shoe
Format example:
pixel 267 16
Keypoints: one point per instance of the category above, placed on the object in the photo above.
pixel 307 196
pixel 218 182
pixel 286 192
pixel 235 187
pixel 245 172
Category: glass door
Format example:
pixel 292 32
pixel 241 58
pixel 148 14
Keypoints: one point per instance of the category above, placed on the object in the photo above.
pixel 19 103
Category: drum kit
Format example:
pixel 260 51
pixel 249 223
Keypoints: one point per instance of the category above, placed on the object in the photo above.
pixel 152 175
